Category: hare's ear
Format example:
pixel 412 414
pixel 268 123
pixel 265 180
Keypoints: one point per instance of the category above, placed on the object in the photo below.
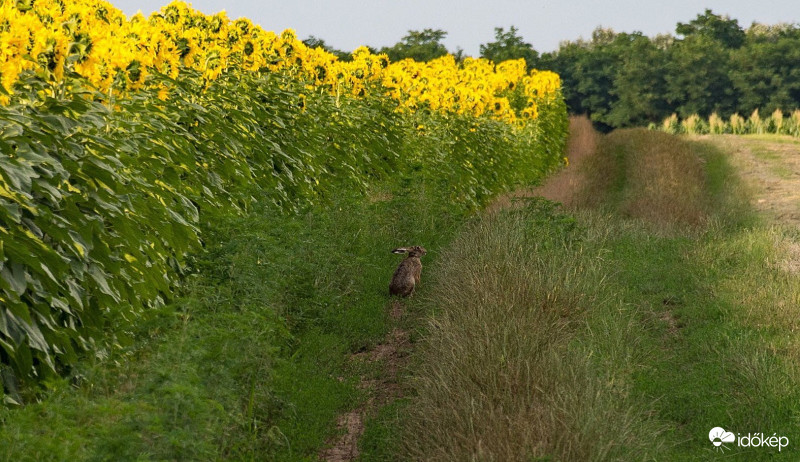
pixel 400 250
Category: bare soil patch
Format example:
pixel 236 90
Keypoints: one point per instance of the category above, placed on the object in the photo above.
pixel 564 186
pixel 392 354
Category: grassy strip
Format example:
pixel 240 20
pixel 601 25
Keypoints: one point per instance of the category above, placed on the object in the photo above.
pixel 732 361
pixel 529 350
pixel 251 365
pixel 664 310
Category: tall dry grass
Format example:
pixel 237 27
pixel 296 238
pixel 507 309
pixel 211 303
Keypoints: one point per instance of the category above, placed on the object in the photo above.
pixel 583 139
pixel 600 175
pixel 507 372
pixel 653 176
pixel 665 179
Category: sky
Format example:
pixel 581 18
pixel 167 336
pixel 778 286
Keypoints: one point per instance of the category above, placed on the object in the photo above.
pixel 347 24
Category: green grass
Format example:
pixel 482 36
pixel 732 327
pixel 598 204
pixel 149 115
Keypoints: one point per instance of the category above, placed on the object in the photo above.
pixel 709 304
pixel 773 160
pixel 627 335
pixel 252 363
pixel 382 439
pixel 715 367
pixel 624 329
pixel 772 138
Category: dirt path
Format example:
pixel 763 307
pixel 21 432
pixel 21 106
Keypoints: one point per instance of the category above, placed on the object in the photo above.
pixel 563 186
pixel 392 354
pixel 770 166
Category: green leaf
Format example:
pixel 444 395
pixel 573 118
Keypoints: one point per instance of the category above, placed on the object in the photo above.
pixel 14 276
pixel 101 278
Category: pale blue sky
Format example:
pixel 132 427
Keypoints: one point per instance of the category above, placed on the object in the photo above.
pixel 346 24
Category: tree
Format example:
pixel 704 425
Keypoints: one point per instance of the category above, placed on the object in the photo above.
pixel 720 28
pixel 712 66
pixel 588 72
pixel 420 46
pixel 316 42
pixel 766 70
pixel 698 77
pixel 509 45
pixel 698 69
pixel 639 84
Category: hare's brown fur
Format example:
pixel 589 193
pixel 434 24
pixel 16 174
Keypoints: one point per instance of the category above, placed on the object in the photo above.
pixel 408 273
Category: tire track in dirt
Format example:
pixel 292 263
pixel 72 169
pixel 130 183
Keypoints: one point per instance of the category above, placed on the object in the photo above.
pixel 770 167
pixel 565 185
pixel 393 354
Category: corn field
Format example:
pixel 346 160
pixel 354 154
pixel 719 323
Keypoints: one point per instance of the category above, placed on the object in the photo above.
pixel 778 123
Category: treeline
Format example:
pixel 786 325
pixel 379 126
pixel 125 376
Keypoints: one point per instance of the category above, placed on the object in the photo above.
pixel 711 65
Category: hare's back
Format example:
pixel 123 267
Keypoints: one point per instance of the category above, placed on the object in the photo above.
pixel 403 280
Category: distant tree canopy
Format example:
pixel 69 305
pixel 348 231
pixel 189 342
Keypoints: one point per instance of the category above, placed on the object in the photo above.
pixel 719 28
pixel 711 65
pixel 623 79
pixel 422 45
pixel 316 42
pixel 509 45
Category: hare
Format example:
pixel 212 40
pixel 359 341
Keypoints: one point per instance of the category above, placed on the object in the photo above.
pixel 408 273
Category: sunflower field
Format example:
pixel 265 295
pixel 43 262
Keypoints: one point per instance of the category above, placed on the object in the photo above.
pixel 121 137
pixel 114 54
